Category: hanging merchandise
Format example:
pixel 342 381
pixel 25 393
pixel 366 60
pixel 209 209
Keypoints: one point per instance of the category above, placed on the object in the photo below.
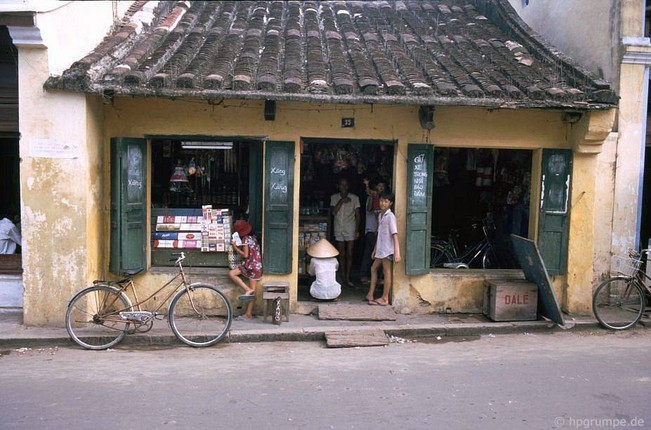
pixel 192 167
pixel 179 179
pixel 341 160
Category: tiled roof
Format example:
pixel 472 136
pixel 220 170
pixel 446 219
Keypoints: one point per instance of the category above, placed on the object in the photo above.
pixel 445 52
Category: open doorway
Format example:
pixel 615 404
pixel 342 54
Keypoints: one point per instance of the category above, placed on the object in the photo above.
pixel 11 284
pixel 324 163
pixel 480 198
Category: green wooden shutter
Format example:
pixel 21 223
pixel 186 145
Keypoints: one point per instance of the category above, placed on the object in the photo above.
pixel 128 205
pixel 553 228
pixel 279 198
pixel 420 162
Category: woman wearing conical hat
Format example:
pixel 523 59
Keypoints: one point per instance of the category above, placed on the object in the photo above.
pixel 324 266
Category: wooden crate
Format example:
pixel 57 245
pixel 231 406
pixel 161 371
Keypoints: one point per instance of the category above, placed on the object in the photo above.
pixel 510 300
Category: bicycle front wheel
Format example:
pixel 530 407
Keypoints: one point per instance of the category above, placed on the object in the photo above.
pixel 618 303
pixel 93 317
pixel 200 316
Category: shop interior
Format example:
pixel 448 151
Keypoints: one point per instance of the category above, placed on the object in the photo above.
pixel 323 163
pixel 188 175
pixel 478 195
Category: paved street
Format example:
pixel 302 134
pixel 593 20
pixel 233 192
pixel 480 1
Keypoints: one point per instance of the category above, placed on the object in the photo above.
pixel 590 379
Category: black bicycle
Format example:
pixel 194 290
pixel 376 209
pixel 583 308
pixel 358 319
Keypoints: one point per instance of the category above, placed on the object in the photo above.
pixel 445 252
pixel 620 301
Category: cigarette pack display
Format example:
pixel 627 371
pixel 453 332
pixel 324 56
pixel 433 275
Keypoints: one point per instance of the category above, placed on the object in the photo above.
pixel 190 227
pixel 177 235
pixel 168 227
pixel 177 244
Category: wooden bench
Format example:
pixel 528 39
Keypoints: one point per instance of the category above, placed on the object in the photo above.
pixel 273 290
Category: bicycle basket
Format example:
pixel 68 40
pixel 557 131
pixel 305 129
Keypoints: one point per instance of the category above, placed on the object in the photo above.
pixel 626 266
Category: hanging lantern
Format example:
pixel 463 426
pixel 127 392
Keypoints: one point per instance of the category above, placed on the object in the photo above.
pixel 179 175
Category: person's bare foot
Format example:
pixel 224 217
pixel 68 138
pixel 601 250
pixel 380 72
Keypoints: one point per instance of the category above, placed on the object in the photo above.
pixel 382 302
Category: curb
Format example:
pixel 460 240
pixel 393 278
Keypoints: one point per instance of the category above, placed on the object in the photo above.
pixel 316 334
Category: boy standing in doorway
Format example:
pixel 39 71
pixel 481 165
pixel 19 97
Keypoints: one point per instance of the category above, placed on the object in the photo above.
pixel 345 209
pixel 386 251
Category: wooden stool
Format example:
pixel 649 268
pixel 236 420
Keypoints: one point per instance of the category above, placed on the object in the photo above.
pixel 272 291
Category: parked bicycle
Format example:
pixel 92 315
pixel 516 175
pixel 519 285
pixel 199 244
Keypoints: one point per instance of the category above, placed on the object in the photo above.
pixel 100 316
pixel 446 253
pixel 620 301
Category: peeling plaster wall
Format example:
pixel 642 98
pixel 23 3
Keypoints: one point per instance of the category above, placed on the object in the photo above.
pixel 61 191
pixel 604 203
pixel 606 23
pixel 54 195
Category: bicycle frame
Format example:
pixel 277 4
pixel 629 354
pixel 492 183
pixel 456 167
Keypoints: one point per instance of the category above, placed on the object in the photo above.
pixel 123 287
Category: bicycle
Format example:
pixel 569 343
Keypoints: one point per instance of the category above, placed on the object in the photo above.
pixel 100 316
pixel 620 301
pixel 444 252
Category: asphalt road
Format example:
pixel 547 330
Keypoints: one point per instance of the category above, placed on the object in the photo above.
pixel 526 381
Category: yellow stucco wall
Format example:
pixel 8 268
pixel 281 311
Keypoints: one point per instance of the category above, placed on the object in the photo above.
pixel 65 203
pixel 62 162
pixel 60 194
pixel 67 206
pixel 437 291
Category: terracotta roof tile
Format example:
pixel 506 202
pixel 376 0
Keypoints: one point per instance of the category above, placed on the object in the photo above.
pixel 463 52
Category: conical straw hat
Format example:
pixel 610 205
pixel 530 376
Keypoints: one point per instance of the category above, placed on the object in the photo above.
pixel 322 249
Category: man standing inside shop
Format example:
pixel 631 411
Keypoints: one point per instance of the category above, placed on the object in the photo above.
pixel 345 209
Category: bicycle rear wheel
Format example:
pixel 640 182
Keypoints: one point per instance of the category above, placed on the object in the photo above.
pixel 93 317
pixel 439 256
pixel 200 316
pixel 618 303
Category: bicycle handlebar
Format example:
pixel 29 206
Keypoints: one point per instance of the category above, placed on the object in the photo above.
pixel 633 253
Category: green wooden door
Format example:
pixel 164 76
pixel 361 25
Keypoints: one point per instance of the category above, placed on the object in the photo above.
pixel 128 205
pixel 278 207
pixel 420 162
pixel 553 228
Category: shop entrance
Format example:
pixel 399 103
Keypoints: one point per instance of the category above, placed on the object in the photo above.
pixel 189 174
pixel 480 198
pixel 11 283
pixel 324 162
